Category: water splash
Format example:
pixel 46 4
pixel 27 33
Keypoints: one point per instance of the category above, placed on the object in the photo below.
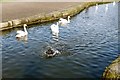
pixel 50 52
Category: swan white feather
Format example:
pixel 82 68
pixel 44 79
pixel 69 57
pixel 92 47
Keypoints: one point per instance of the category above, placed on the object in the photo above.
pixel 114 3
pixel 64 21
pixel 55 29
pixel 21 33
pixel 106 8
pixel 96 7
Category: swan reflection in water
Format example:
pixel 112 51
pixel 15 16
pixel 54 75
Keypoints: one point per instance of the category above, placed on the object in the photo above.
pixel 24 38
pixel 96 8
pixel 55 37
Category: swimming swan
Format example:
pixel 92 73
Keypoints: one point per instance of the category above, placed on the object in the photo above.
pixel 114 3
pixel 64 21
pixel 55 29
pixel 96 8
pixel 106 8
pixel 21 33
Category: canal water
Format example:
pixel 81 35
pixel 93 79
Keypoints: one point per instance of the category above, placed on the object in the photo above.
pixel 87 45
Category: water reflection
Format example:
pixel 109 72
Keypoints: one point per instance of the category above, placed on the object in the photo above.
pixel 106 8
pixel 55 37
pixel 87 46
pixel 3 33
pixel 96 9
pixel 24 38
pixel 114 3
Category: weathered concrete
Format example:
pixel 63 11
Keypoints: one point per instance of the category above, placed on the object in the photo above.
pixel 41 18
pixel 112 72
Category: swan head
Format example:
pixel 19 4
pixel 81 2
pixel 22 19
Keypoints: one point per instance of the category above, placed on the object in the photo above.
pixel 68 19
pixel 26 33
pixel 68 16
pixel 25 25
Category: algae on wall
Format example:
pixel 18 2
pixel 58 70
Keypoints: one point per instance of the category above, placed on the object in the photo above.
pixel 113 70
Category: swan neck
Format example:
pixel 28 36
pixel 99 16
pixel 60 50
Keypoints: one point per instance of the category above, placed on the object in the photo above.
pixel 68 19
pixel 57 23
pixel 25 29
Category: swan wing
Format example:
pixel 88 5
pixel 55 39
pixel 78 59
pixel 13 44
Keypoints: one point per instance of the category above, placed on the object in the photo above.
pixel 19 32
pixel 18 36
pixel 21 35
pixel 52 26
pixel 61 19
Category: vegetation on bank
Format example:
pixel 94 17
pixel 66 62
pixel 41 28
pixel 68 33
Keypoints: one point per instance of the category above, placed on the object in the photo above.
pixel 112 71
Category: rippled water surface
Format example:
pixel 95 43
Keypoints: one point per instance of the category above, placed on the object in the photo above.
pixel 87 45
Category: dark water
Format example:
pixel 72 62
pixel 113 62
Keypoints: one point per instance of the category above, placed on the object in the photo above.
pixel 87 45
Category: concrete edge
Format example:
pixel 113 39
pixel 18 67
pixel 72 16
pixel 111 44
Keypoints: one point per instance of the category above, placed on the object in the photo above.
pixel 41 18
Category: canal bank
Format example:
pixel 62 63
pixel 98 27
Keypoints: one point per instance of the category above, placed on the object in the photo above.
pixel 41 18
pixel 112 71
pixel 87 45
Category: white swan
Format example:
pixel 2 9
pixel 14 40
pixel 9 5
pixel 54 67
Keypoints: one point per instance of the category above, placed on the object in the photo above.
pixel 106 8
pixel 55 29
pixel 114 3
pixel 96 7
pixel 21 33
pixel 64 21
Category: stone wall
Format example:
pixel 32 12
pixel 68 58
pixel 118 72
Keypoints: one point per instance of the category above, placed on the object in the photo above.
pixel 112 72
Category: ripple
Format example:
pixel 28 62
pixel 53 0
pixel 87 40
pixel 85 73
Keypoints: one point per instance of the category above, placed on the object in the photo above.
pixel 87 45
